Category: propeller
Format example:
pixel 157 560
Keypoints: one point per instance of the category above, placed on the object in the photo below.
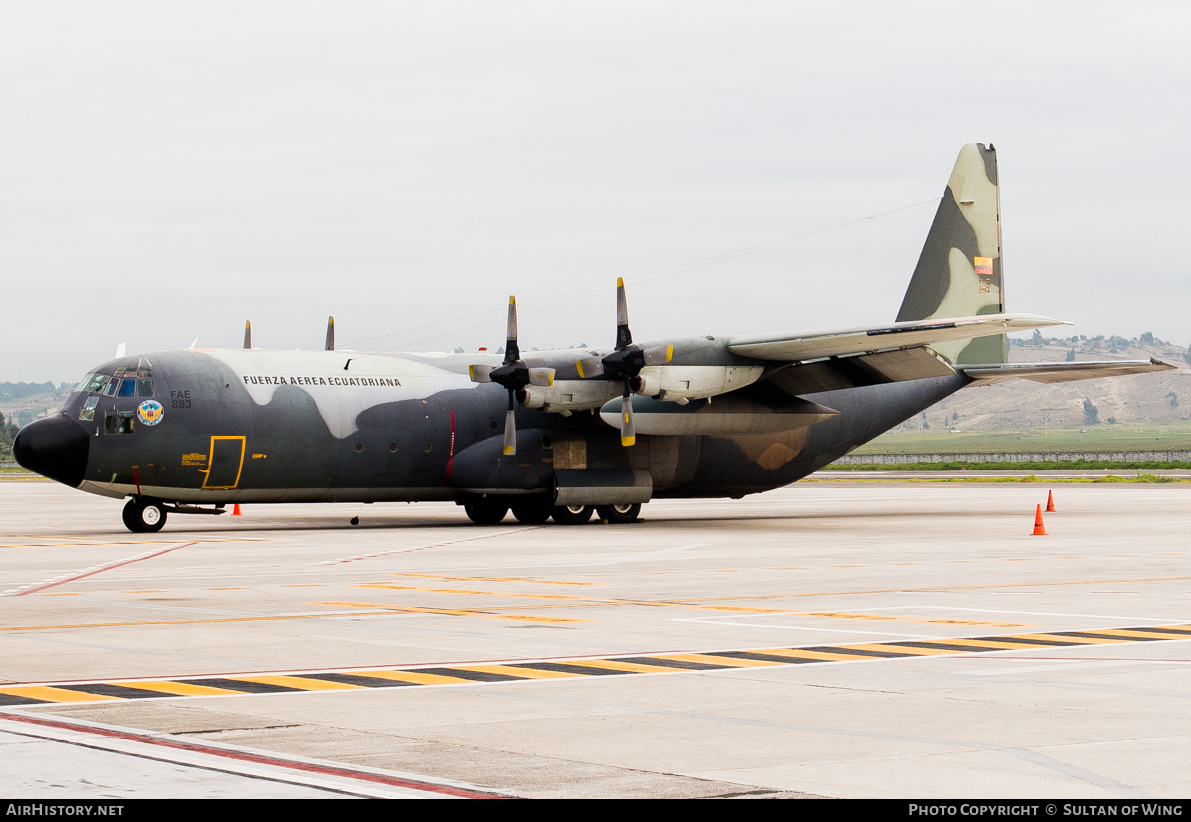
pixel 624 363
pixel 514 375
pixel 330 346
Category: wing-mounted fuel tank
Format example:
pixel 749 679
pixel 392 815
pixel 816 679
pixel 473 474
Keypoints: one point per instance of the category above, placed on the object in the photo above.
pixel 728 415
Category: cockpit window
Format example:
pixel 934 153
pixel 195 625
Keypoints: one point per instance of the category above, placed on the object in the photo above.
pixel 144 388
pixel 87 412
pixel 92 382
pixel 128 388
pixel 112 386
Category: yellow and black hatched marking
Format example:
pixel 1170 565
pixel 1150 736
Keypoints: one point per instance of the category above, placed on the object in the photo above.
pixel 570 668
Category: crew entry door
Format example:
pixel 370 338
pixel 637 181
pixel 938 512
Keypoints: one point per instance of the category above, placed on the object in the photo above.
pixel 225 462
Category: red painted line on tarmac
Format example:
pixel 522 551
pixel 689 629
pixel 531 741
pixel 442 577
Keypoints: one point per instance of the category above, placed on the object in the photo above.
pixel 101 570
pixel 259 759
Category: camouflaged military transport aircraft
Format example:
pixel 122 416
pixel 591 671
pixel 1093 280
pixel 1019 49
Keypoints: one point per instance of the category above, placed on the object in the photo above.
pixel 190 432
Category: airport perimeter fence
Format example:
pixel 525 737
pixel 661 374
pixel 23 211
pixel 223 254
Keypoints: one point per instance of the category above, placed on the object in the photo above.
pixel 1019 457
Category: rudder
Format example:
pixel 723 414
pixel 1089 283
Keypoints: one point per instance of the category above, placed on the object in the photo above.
pixel 959 270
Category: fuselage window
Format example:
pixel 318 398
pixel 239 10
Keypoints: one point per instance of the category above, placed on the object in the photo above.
pixel 144 388
pixel 128 388
pixel 87 412
pixel 112 387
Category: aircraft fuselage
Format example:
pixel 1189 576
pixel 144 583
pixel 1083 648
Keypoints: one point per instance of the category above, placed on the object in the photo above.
pixel 227 425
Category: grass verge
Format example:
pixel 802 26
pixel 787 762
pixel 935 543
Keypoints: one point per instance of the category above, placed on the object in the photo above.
pixel 1143 478
pixel 1057 465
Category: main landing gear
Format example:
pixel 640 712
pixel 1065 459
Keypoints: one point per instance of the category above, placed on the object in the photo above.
pixel 619 514
pixel 144 516
pixel 490 511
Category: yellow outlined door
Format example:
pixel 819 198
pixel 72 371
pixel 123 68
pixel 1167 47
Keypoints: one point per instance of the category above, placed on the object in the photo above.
pixel 225 463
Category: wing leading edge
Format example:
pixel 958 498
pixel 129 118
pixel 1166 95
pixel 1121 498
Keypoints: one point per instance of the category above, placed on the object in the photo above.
pixel 813 345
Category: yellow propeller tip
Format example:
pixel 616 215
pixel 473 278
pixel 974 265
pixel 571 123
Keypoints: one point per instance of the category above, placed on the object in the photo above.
pixel 627 441
pixel 620 282
pixel 509 451
pixel 512 300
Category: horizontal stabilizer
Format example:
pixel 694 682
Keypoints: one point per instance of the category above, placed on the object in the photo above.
pixel 1052 372
pixel 815 345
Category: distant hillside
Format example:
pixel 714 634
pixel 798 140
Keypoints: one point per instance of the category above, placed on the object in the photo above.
pixel 1137 400
pixel 22 402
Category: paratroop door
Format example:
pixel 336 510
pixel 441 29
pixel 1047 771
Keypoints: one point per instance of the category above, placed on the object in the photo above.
pixel 227 458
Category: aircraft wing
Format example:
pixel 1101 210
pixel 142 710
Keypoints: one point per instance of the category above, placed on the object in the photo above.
pixel 842 342
pixel 1052 372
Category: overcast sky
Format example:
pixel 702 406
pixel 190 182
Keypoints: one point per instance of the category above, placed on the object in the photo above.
pixel 170 170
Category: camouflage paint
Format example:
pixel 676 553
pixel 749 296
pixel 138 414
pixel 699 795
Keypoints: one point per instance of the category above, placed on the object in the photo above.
pixel 966 232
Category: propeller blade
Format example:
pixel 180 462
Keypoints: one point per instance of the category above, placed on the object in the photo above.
pixel 590 367
pixel 510 428
pixel 512 352
pixel 541 376
pixel 248 333
pixel 659 355
pixel 479 373
pixel 624 337
pixel 330 334
pixel 628 431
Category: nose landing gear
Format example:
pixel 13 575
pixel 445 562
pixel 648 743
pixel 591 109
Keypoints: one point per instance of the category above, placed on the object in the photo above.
pixel 144 516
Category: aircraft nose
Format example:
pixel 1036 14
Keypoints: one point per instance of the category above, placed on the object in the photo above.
pixel 55 447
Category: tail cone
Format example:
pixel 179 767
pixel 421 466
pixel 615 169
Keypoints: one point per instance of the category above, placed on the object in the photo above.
pixel 236 510
pixel 1039 528
pixel 1050 501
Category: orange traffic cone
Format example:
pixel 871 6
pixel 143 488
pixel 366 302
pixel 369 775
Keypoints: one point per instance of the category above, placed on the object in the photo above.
pixel 236 510
pixel 1039 528
pixel 1050 501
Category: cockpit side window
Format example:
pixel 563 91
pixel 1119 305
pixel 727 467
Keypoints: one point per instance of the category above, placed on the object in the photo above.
pixel 87 412
pixel 117 422
pixel 128 388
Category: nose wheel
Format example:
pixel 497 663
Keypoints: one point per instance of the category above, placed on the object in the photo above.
pixel 144 516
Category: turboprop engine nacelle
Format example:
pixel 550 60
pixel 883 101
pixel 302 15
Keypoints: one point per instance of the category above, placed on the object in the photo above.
pixel 569 395
pixel 682 383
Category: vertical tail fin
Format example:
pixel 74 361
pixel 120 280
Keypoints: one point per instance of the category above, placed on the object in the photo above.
pixel 959 271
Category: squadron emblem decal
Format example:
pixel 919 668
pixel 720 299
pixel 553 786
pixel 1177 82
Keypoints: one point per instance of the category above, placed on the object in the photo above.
pixel 150 412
